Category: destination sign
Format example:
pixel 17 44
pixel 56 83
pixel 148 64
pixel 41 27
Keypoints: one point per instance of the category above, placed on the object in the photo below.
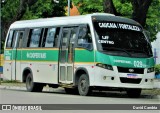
pixel 118 26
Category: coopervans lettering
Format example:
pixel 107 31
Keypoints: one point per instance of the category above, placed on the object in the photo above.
pixel 36 55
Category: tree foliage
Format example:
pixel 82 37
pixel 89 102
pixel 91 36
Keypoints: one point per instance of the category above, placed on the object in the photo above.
pixel 12 11
pixel 146 12
pixel 153 19
pixel 45 8
pixel 148 18
pixel 89 6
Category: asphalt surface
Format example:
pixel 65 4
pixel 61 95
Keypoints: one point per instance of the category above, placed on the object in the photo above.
pixel 15 93
pixel 58 96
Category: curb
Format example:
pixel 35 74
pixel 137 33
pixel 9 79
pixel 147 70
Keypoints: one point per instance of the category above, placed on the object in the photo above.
pixel 21 86
pixel 12 87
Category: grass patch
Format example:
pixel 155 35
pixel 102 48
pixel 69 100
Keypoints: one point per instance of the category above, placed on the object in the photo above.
pixel 151 92
pixel 10 81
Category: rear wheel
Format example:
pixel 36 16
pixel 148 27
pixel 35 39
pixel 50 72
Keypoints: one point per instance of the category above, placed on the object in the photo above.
pixel 134 93
pixel 31 85
pixel 83 85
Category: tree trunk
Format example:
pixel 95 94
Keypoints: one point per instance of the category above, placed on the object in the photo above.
pixel 109 7
pixel 5 27
pixel 21 10
pixel 140 9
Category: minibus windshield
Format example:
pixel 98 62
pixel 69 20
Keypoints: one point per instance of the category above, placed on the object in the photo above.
pixel 121 39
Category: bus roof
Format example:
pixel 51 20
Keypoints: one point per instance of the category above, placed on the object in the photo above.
pixel 69 20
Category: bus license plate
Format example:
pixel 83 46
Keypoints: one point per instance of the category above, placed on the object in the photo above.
pixel 131 76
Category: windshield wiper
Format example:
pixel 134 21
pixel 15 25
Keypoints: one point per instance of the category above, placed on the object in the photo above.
pixel 143 49
pixel 117 49
pixel 140 51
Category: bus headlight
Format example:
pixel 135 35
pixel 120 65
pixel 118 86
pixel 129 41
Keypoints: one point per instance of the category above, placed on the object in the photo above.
pixel 149 70
pixel 105 66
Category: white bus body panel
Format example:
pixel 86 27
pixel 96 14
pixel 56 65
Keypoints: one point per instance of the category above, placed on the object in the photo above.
pixel 7 70
pixel 103 77
pixel 42 72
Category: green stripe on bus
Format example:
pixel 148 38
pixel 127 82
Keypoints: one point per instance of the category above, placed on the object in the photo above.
pixel 124 61
pixel 84 56
pixel 81 55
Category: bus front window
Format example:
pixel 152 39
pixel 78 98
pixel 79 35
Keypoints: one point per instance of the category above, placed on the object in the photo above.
pixel 127 40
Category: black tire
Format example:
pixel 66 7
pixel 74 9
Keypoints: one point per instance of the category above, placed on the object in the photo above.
pixel 83 85
pixel 31 86
pixel 71 90
pixel 134 93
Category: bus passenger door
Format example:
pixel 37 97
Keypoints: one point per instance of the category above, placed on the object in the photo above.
pixel 66 55
pixel 16 55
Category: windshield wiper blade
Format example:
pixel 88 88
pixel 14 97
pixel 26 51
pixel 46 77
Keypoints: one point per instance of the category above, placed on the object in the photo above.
pixel 118 49
pixel 140 51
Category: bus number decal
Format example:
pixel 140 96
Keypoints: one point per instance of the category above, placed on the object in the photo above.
pixel 138 64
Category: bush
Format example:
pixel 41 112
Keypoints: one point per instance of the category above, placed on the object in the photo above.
pixel 157 69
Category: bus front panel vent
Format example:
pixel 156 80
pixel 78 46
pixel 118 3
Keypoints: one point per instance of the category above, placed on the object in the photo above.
pixel 130 80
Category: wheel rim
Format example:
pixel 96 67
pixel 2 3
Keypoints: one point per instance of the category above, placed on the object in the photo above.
pixel 83 85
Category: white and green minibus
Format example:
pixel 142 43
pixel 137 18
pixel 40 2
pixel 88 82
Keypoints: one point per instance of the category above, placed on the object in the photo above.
pixel 80 53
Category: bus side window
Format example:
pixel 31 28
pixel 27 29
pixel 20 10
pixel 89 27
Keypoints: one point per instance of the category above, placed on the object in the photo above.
pixel 10 39
pixel 50 38
pixel 73 35
pixel 35 37
pixel 84 38
pixel 44 37
pixel 14 39
pixel 56 36
pixel 19 45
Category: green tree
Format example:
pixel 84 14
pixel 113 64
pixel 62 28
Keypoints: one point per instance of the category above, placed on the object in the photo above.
pixel 12 11
pixel 146 12
pixel 45 8
pixel 89 6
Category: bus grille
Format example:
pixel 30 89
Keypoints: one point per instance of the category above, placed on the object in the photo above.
pixel 130 80
pixel 127 70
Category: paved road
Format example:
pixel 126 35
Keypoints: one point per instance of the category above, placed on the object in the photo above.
pixel 12 96
pixel 21 96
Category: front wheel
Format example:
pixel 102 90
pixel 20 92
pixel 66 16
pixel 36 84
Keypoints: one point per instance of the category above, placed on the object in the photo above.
pixel 31 86
pixel 134 93
pixel 83 85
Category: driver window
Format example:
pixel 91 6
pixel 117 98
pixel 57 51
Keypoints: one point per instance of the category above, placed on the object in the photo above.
pixel 84 38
